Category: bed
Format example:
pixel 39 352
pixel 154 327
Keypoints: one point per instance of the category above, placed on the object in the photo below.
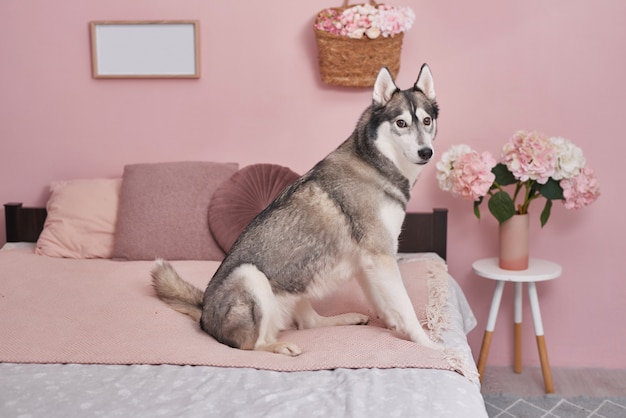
pixel 82 333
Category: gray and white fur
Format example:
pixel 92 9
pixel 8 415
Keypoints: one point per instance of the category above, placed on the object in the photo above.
pixel 341 220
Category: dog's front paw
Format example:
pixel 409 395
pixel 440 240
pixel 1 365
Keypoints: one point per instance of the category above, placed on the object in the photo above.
pixel 287 349
pixel 428 343
pixel 356 319
pixel 422 338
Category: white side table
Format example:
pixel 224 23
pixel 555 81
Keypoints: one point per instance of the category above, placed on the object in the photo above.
pixel 538 270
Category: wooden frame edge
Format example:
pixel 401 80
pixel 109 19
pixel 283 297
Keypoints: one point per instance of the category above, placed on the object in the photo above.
pixel 94 56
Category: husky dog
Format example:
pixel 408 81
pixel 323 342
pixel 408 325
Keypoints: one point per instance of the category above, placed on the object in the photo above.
pixel 341 220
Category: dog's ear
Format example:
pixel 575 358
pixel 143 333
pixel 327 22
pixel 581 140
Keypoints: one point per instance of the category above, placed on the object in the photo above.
pixel 425 83
pixel 384 87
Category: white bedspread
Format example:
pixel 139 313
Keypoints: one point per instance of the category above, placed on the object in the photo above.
pixel 188 391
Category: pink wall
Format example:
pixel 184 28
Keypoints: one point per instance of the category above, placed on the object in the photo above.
pixel 555 66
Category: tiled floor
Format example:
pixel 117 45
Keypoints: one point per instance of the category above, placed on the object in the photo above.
pixel 589 393
pixel 553 406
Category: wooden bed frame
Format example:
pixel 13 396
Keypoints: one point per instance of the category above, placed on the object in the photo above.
pixel 421 232
pixel 23 224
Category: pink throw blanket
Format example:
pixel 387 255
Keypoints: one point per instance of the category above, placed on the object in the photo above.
pixel 105 312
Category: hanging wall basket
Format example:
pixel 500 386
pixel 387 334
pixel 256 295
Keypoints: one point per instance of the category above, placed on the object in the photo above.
pixel 345 61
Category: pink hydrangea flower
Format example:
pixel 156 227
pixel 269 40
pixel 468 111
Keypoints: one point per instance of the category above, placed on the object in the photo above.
pixel 472 176
pixel 446 164
pixel 466 173
pixel 582 190
pixel 530 156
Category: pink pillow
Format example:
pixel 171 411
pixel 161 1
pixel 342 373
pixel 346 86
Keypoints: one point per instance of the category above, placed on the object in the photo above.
pixel 163 211
pixel 242 197
pixel 81 219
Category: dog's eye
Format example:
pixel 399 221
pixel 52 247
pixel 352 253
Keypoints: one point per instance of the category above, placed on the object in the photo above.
pixel 426 121
pixel 400 123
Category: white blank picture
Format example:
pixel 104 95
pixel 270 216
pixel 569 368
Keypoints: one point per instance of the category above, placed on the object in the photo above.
pixel 151 49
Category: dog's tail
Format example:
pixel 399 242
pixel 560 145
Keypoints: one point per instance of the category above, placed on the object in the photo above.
pixel 171 289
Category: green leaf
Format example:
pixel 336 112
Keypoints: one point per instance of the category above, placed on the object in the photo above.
pixel 551 190
pixel 545 213
pixel 476 207
pixel 501 206
pixel 503 176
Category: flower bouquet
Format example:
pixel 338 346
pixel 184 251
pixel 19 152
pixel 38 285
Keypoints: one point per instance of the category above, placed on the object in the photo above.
pixel 533 165
pixel 365 20
pixel 354 42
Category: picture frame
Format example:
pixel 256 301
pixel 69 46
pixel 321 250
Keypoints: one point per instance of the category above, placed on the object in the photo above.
pixel 145 49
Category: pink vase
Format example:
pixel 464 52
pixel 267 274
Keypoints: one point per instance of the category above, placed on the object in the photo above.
pixel 513 250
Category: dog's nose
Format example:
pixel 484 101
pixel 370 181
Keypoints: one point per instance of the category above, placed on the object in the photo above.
pixel 425 153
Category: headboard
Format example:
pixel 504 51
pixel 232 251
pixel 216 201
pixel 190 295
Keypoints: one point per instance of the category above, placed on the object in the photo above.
pixel 421 231
pixel 23 224
pixel 425 232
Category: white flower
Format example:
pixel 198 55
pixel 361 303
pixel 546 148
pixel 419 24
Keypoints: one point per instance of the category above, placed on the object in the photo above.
pixel 570 159
pixel 446 164
pixel 357 33
pixel 365 9
pixel 373 33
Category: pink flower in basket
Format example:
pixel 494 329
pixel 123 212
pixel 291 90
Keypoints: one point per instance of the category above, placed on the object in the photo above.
pixel 366 20
pixel 533 164
pixel 395 20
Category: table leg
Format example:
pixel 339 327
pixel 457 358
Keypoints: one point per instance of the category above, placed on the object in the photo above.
pixel 517 336
pixel 491 324
pixel 541 342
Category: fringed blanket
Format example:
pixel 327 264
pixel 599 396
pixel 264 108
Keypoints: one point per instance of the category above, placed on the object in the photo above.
pixel 105 312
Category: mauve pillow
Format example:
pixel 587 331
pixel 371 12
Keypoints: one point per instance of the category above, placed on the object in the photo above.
pixel 242 197
pixel 81 219
pixel 163 211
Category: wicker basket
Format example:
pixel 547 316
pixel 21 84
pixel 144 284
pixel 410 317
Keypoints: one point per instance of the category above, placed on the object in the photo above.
pixel 344 61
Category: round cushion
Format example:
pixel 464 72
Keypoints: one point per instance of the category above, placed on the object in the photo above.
pixel 242 197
